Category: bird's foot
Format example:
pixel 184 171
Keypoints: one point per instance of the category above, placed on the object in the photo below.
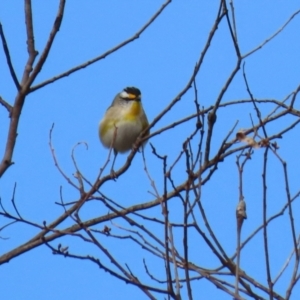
pixel 113 174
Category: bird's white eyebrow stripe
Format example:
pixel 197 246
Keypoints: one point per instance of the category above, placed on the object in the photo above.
pixel 124 94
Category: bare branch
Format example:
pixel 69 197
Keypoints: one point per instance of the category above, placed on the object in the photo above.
pixel 32 53
pixel 45 53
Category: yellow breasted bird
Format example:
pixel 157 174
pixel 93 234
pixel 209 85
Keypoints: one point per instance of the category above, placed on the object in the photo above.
pixel 123 122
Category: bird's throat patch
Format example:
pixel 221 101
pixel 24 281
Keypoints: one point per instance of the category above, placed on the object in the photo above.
pixel 134 111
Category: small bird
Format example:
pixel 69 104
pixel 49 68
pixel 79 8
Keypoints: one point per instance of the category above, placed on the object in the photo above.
pixel 123 122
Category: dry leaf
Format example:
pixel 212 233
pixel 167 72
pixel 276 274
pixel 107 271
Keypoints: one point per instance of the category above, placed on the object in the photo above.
pixel 241 210
pixel 241 136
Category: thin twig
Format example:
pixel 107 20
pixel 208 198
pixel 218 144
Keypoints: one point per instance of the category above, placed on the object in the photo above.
pixel 6 105
pixel 8 58
pixel 104 55
pixel 272 36
pixel 265 231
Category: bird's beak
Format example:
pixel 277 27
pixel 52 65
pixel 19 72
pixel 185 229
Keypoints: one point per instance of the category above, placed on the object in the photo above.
pixel 132 96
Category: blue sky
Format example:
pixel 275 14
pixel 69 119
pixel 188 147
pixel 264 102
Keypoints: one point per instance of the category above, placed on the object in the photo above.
pixel 160 63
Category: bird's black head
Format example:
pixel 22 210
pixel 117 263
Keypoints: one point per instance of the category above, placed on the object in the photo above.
pixel 133 90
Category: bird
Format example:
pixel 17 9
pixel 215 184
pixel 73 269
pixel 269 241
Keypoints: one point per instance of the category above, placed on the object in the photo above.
pixel 123 122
